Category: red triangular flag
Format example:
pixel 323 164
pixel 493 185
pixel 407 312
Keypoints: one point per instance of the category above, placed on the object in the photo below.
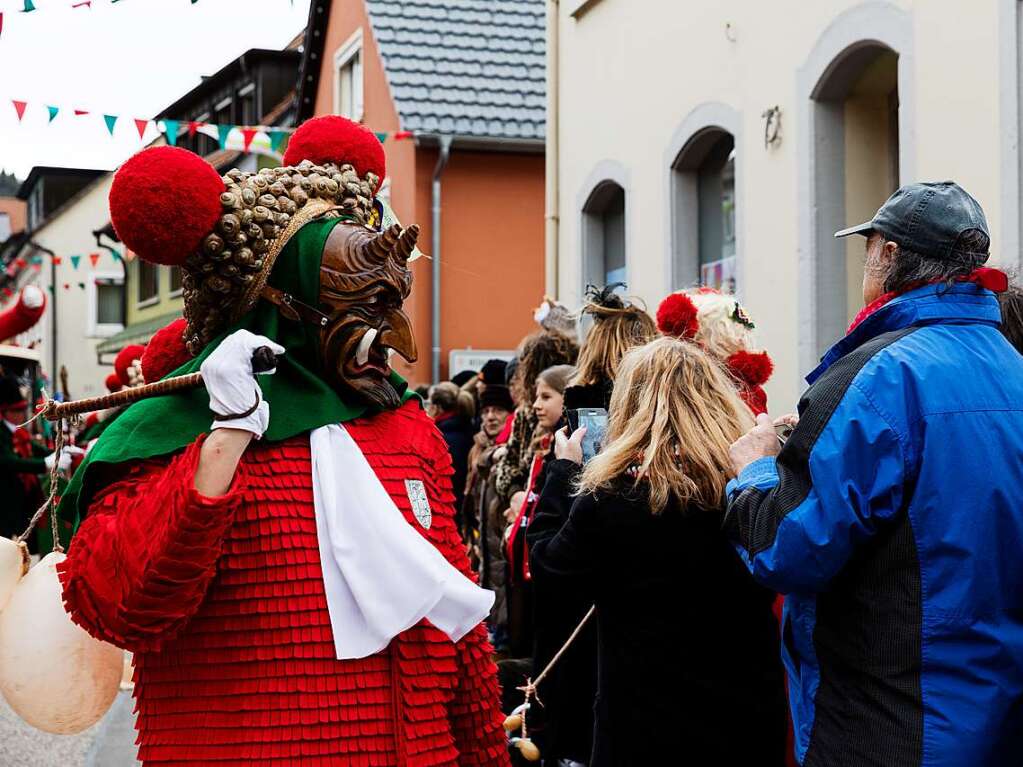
pixel 80 112
pixel 19 107
pixel 1 23
pixel 94 257
pixel 67 286
pixel 57 260
pixel 141 126
pixel 86 3
pixel 193 127
pixel 248 134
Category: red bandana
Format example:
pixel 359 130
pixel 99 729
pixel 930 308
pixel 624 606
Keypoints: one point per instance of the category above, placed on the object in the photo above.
pixel 990 279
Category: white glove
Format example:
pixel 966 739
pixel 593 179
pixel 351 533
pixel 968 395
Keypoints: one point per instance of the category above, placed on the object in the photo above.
pixel 231 384
pixel 64 460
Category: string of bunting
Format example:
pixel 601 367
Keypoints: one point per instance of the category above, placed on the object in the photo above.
pixel 29 6
pixel 257 139
pixel 36 264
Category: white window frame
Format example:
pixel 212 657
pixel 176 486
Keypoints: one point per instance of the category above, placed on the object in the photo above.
pixel 101 329
pixel 342 57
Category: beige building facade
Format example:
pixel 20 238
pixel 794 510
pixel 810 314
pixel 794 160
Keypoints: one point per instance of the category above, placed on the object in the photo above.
pixel 725 141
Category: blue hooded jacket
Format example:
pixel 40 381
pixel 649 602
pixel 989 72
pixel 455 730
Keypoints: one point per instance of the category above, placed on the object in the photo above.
pixel 893 521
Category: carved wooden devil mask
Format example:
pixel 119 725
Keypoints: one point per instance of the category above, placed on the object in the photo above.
pixel 364 280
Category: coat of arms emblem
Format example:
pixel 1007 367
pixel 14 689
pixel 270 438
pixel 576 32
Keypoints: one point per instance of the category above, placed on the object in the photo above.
pixel 416 491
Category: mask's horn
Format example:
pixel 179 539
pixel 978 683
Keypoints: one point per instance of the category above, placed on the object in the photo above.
pixel 379 247
pixel 407 243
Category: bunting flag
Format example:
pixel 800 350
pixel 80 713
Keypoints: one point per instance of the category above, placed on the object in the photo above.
pixel 67 286
pixel 276 139
pixel 81 285
pixel 94 259
pixel 223 131
pixel 247 135
pixel 53 112
pixel 1 23
pixel 193 126
pixel 19 107
pixel 111 121
pixel 117 256
pixel 57 260
pixel 29 7
pixel 140 126
pixel 80 112
pixel 170 128
pixel 50 288
pixel 75 260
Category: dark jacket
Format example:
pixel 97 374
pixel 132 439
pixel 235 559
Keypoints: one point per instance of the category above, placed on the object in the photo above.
pixel 892 520
pixel 458 434
pixel 19 502
pixel 689 668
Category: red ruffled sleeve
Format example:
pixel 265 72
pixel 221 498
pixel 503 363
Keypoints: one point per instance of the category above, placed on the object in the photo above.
pixel 139 566
pixel 475 711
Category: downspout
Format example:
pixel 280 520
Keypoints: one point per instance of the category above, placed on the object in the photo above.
pixel 442 161
pixel 551 175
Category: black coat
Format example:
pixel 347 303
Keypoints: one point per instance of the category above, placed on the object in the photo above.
pixel 458 433
pixel 689 661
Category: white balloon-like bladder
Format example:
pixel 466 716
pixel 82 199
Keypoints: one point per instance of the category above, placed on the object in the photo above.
pixel 13 565
pixel 52 673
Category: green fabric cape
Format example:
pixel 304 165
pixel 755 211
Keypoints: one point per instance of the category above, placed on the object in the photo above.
pixel 300 400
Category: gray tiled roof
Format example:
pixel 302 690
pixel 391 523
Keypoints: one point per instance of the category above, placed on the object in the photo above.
pixel 465 67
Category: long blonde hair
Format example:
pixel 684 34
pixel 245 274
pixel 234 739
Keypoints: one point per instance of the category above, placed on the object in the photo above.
pixel 617 327
pixel 673 415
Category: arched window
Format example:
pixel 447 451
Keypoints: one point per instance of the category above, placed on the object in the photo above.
pixel 603 235
pixel 703 211
pixel 856 103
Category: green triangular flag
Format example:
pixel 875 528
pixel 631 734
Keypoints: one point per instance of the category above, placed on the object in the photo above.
pixel 276 139
pixel 81 285
pixel 116 255
pixel 381 137
pixel 170 128
pixel 53 112
pixel 75 260
pixel 50 288
pixel 110 120
pixel 222 131
pixel 28 6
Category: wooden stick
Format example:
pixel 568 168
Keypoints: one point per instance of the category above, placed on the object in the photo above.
pixel 54 411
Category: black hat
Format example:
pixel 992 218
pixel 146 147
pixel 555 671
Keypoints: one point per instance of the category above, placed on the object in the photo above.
pixel 927 218
pixel 10 393
pixel 493 372
pixel 462 378
pixel 496 395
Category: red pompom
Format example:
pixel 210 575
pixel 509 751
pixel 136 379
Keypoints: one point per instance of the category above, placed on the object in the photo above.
pixel 123 361
pixel 676 316
pixel 752 368
pixel 166 351
pixel 163 202
pixel 113 383
pixel 338 140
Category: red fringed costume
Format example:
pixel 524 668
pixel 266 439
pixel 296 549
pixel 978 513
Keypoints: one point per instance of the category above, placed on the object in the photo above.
pixel 222 601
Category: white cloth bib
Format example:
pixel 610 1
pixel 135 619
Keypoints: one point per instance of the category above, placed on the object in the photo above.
pixel 380 575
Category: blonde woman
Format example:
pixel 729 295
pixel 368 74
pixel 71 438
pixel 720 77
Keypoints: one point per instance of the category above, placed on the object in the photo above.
pixel 689 669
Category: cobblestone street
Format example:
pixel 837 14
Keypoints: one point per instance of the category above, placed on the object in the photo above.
pixel 110 743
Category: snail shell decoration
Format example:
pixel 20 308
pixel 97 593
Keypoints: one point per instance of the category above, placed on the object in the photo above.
pixel 257 208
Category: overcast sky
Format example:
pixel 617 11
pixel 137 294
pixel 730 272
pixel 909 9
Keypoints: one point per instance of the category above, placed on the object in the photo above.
pixel 132 58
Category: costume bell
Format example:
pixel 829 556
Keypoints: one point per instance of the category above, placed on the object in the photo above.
pixel 319 612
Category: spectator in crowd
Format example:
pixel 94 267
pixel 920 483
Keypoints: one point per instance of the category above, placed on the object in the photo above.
pixel 688 664
pixel 891 515
pixel 537 352
pixel 482 508
pixel 22 460
pixel 548 409
pixel 718 323
pixel 564 726
pixel 453 410
pixel 1011 304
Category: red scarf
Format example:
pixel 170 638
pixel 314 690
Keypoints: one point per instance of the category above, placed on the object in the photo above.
pixel 987 278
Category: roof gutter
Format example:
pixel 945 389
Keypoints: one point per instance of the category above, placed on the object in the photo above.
pixel 483 143
pixel 442 161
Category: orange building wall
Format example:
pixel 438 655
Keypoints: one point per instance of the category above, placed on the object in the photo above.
pixel 15 208
pixel 492 269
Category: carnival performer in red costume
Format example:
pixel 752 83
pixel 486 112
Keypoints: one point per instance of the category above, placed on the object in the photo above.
pixel 290 578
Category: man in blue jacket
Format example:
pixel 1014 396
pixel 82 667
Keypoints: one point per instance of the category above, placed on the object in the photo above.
pixel 892 517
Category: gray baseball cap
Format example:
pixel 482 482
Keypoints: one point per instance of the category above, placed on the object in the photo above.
pixel 927 218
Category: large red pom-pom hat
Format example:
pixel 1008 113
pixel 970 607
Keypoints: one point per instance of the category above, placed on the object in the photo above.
pixel 126 364
pixel 113 383
pixel 717 322
pixel 171 207
pixel 166 351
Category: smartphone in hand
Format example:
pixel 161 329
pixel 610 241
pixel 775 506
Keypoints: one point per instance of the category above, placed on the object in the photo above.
pixel 595 421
